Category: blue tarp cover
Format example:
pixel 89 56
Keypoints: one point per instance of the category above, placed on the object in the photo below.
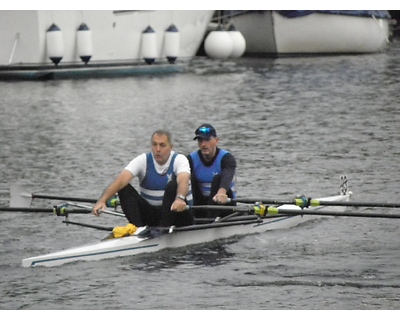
pixel 359 13
pixel 384 14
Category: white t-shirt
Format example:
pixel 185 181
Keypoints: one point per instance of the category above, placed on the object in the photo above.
pixel 138 165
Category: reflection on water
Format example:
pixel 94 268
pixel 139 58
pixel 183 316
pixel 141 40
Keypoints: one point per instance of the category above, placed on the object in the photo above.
pixel 209 255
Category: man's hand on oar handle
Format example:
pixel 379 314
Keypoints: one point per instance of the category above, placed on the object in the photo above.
pixel 179 204
pixel 99 207
pixel 221 197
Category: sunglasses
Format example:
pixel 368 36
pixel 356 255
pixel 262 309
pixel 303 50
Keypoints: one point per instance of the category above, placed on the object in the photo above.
pixel 203 130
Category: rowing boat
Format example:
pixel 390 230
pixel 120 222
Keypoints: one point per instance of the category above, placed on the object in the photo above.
pixel 199 233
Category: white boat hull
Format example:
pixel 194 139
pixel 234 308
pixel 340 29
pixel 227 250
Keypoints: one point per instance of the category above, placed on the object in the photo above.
pixel 133 245
pixel 115 40
pixel 268 32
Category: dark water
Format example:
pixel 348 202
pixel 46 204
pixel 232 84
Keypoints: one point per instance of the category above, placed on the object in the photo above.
pixel 294 124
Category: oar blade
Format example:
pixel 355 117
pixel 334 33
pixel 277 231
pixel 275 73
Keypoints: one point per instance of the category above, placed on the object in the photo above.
pixel 19 197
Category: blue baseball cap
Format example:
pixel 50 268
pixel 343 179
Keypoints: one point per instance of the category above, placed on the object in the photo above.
pixel 205 131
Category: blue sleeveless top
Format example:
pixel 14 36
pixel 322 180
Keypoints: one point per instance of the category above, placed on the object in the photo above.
pixel 205 175
pixel 153 185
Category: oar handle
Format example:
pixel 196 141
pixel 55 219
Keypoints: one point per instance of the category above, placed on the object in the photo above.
pixel 114 213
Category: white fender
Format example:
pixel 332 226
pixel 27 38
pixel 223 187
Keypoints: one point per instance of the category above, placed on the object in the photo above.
pixel 238 41
pixel 149 45
pixel 84 43
pixel 218 44
pixel 54 44
pixel 171 43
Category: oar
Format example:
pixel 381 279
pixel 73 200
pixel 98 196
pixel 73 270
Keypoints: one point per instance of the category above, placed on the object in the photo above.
pixel 237 210
pixel 248 209
pixel 19 196
pixel 38 210
pixel 315 203
pixel 274 210
pixel 316 212
pixel 88 225
pixel 61 210
pixel 305 202
pixel 240 218
pixel 228 217
pixel 232 222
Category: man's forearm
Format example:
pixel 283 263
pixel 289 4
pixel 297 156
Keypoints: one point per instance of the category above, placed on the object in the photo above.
pixel 183 184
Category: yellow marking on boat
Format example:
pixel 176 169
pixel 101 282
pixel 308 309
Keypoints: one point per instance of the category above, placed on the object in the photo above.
pixel 273 210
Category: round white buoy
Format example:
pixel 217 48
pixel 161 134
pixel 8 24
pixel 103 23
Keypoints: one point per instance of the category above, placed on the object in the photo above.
pixel 171 44
pixel 238 41
pixel 218 44
pixel 149 45
pixel 54 44
pixel 84 43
